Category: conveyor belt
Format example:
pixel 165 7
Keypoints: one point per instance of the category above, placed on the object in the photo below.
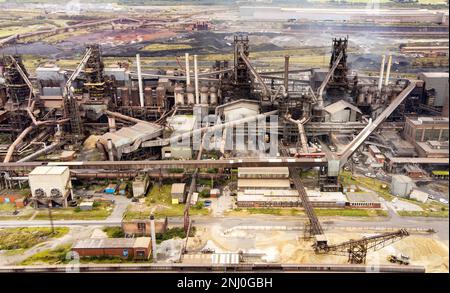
pixel 316 228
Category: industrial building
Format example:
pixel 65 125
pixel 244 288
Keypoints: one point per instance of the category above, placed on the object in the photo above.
pixel 363 200
pixel 136 228
pixel 50 186
pixel 401 185
pixel 126 248
pixel 178 193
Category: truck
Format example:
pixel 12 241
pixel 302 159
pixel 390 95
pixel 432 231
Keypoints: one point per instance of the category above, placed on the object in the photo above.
pixel 402 259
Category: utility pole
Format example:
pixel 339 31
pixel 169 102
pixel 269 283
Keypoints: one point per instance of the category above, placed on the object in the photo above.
pixel 50 216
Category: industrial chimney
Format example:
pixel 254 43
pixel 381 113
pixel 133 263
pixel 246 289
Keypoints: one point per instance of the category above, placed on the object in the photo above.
pixel 153 235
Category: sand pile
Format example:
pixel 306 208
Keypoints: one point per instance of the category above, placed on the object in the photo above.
pixel 90 142
pixel 428 252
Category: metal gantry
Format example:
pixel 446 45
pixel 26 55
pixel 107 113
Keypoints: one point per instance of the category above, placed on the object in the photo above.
pixel 357 249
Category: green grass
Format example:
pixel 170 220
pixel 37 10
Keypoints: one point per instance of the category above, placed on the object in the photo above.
pixel 350 213
pixel 265 211
pixel 23 238
pixel 321 212
pixel 435 214
pixel 160 200
pixel 370 183
pixel 114 232
pixel 99 212
pixel 49 256
pixel 176 232
pixel 7 207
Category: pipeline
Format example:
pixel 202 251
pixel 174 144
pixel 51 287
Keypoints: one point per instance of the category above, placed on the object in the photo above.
pixel 43 151
pixel 301 131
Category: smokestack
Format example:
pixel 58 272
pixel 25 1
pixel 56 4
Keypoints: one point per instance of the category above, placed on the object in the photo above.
pixel 110 150
pixel 112 124
pixel 153 235
pixel 196 80
pixel 188 77
pixel 380 81
pixel 388 70
pixel 286 72
pixel 141 91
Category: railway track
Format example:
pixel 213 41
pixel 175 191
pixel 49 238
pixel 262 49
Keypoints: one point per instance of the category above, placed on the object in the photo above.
pixel 243 267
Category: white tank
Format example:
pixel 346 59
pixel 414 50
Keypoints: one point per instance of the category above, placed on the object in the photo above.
pixel 213 95
pixel 190 95
pixel 204 94
pixel 179 95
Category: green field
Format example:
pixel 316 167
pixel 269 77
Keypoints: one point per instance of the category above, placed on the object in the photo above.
pixel 99 212
pixel 23 238
pixel 159 201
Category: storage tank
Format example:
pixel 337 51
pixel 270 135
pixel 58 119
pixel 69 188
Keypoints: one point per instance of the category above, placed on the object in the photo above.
pixel 148 96
pixel 179 94
pixel 134 101
pixel 160 96
pixel 213 95
pixel 369 98
pixel 190 94
pixel 360 99
pixel 124 96
pixel 204 94
pixel 401 185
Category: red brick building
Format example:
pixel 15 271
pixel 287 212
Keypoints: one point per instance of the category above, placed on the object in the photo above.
pixel 126 248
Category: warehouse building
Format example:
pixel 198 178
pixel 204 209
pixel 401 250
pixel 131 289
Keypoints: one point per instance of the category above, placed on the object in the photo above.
pixel 438 82
pixel 50 185
pixel 363 200
pixel 125 248
pixel 289 198
pixel 424 129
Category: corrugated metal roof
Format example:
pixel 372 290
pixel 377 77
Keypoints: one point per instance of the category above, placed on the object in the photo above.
pixel 142 242
pixel 105 243
pixel 339 106
pixel 362 197
pixel 128 135
pixel 263 171
pixel 178 188
pixel 264 183
pixel 49 170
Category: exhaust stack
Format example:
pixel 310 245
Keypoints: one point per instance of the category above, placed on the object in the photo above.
pixel 197 98
pixel 188 77
pixel 388 70
pixel 153 235
pixel 380 81
pixel 141 92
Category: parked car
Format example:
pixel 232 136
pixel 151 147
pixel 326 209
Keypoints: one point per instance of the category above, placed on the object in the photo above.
pixel 207 203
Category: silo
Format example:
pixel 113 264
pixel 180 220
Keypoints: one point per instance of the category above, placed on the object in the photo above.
pixel 369 98
pixel 124 96
pixel 204 93
pixel 190 95
pixel 401 185
pixel 213 95
pixel 148 96
pixel 179 95
pixel 135 97
pixel 160 96
pixel 360 99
